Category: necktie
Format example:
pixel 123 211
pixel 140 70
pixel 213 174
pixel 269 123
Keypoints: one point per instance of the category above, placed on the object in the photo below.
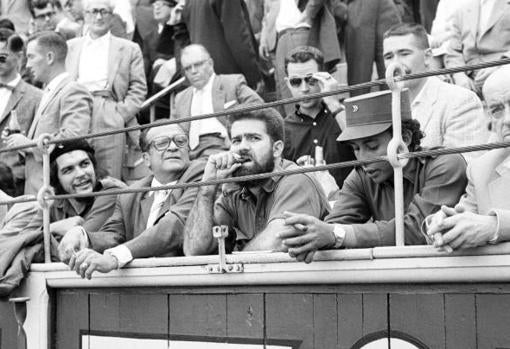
pixel 159 200
pixel 8 87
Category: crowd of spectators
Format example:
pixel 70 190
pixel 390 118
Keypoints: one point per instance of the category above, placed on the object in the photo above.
pixel 73 67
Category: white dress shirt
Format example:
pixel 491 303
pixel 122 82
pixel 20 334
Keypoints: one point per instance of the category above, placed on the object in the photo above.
pixel 6 93
pixel 121 252
pixel 289 16
pixel 93 66
pixel 201 103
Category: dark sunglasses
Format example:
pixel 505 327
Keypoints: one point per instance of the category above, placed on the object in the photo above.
pixel 162 143
pixel 309 80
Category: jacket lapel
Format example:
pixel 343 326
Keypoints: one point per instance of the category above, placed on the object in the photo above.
pixel 424 112
pixel 73 60
pixel 16 95
pixel 497 12
pixel 218 94
pixel 114 57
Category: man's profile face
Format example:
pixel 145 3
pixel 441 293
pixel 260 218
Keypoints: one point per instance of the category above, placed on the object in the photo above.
pixel 44 18
pixel 37 61
pixel 301 83
pixel 197 66
pixel 251 141
pixel 161 11
pixel 8 60
pixel 76 172
pixel 405 50
pixel 98 16
pixel 168 150
pixel 371 147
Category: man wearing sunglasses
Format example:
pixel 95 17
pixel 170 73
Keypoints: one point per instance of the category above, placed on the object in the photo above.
pixel 111 68
pixel 314 121
pixel 144 224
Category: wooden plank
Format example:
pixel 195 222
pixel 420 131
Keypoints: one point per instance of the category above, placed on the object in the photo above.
pixel 129 313
pixel 198 315
pixel 350 319
pixel 375 313
pixel 290 317
pixel 493 320
pixel 245 316
pixel 460 321
pixel 8 326
pixel 419 315
pixel 72 316
pixel 325 321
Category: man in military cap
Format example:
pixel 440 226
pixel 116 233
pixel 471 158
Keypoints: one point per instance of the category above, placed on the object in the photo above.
pixel 364 214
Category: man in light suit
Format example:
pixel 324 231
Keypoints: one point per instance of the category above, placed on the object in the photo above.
pixel 65 108
pixel 483 214
pixel 479 34
pixel 18 11
pixel 208 93
pixel 449 115
pixel 144 224
pixel 112 70
pixel 18 101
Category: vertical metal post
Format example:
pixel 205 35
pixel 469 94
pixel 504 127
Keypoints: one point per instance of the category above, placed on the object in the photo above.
pixel 20 313
pixel 396 144
pixel 45 191
pixel 152 113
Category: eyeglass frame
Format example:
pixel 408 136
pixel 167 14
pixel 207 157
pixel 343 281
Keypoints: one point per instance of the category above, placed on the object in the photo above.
pixel 160 3
pixel 169 139
pixel 307 79
pixel 505 103
pixel 99 11
pixel 195 65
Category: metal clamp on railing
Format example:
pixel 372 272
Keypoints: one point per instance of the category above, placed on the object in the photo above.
pixel 394 146
pixel 220 233
pixel 45 147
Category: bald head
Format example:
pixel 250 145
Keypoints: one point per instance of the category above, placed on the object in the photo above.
pixel 497 85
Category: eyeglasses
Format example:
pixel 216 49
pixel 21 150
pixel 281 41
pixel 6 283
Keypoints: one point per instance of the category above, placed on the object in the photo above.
pixel 160 3
pixel 196 65
pixel 498 110
pixel 309 80
pixel 99 11
pixel 162 143
pixel 44 16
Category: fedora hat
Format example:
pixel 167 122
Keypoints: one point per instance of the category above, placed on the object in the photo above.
pixel 370 114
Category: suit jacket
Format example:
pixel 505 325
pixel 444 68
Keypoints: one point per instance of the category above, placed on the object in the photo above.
pixel 468 45
pixel 323 32
pixel 24 100
pixel 487 189
pixel 366 23
pixel 18 11
pixel 223 27
pixel 225 89
pixel 67 113
pixel 128 222
pixel 450 115
pixel 126 78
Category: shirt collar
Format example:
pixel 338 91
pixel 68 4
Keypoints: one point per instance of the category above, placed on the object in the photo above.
pixel 100 40
pixel 304 117
pixel 156 183
pixel 14 82
pixel 56 81
pixel 421 96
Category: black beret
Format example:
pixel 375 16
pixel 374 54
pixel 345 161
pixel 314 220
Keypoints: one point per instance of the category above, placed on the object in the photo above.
pixel 67 146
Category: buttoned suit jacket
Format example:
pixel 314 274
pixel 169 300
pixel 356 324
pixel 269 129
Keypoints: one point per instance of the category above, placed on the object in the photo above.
pixel 487 190
pixel 323 32
pixel 24 100
pixel 223 27
pixel 126 81
pixel 225 89
pixel 468 45
pixel 450 116
pixel 66 113
pixel 132 211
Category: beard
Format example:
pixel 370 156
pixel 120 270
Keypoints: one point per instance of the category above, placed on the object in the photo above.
pixel 264 166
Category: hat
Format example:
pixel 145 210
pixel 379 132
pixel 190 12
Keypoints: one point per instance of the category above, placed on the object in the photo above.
pixel 370 114
pixel 67 146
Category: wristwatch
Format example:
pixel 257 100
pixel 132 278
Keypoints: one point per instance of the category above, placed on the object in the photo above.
pixel 339 234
